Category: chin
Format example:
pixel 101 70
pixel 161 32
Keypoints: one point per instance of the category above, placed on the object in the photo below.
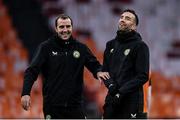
pixel 66 38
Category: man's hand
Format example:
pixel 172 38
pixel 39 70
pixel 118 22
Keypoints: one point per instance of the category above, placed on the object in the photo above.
pixel 103 76
pixel 26 102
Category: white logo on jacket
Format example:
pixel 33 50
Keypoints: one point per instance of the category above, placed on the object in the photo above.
pixel 54 53
pixel 133 115
pixel 111 51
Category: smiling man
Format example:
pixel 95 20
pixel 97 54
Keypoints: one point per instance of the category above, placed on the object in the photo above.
pixel 61 60
pixel 126 58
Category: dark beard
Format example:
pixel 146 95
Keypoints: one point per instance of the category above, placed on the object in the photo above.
pixel 125 30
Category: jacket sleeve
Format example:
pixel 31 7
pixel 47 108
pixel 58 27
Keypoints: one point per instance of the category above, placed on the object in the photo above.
pixel 92 63
pixel 106 59
pixel 141 70
pixel 105 67
pixel 31 73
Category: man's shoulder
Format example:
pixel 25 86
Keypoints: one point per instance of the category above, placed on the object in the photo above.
pixel 80 44
pixel 142 43
pixel 110 42
pixel 45 43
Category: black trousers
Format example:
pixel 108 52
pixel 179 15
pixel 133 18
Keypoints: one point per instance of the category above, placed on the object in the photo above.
pixel 60 112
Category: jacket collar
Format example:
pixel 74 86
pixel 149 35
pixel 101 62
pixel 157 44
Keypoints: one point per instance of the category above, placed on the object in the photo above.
pixel 125 37
pixel 61 42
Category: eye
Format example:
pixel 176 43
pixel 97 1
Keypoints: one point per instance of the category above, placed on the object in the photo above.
pixel 61 26
pixel 68 26
pixel 127 18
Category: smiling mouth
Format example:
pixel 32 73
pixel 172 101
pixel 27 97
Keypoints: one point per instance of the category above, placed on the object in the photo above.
pixel 65 34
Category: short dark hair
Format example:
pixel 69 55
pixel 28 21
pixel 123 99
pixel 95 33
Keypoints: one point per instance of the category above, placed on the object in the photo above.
pixel 134 13
pixel 63 16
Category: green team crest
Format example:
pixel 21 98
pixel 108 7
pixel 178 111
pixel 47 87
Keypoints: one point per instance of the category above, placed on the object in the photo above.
pixel 126 52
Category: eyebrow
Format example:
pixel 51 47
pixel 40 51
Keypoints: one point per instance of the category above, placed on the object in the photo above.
pixel 127 17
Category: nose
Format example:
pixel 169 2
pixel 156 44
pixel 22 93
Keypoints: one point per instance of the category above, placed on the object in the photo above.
pixel 65 29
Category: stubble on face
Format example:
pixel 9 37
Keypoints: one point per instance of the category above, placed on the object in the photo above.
pixel 127 22
pixel 64 28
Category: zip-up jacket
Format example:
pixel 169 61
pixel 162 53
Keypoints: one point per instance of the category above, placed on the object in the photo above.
pixel 126 58
pixel 61 63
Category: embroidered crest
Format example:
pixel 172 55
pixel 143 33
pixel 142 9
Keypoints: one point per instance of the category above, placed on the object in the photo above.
pixel 126 52
pixel 76 54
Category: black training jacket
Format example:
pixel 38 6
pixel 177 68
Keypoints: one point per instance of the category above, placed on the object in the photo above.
pixel 126 58
pixel 61 64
